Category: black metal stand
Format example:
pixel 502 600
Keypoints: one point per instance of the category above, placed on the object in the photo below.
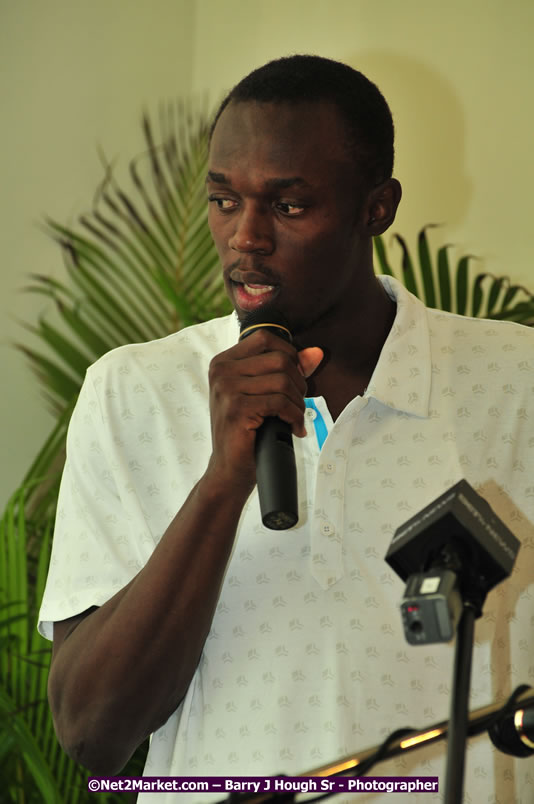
pixel 478 722
pixel 459 711
pixel 451 554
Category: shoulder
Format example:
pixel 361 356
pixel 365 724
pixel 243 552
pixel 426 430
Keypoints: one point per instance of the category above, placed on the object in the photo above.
pixel 192 346
pixel 483 356
pixel 453 323
pixel 451 330
pixel 481 333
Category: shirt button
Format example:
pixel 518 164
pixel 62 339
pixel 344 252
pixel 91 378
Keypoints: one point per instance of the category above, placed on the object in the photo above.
pixel 310 414
pixel 330 468
pixel 327 529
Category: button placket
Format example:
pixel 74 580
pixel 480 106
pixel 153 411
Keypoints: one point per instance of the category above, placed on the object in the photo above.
pixel 328 523
pixel 310 414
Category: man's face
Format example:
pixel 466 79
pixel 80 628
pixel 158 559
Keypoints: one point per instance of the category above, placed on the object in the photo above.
pixel 285 210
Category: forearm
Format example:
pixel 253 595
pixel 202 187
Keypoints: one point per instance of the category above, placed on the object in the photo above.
pixel 123 669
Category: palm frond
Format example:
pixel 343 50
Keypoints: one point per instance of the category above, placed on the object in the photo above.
pixel 455 287
pixel 140 264
pixel 32 755
pixel 20 742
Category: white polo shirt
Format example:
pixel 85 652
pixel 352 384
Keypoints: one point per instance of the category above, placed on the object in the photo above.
pixel 306 660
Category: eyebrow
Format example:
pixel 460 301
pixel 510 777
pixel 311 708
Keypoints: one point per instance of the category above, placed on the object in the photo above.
pixel 217 178
pixel 275 183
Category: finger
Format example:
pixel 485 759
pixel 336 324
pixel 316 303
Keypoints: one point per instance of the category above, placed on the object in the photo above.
pixel 276 365
pixel 262 341
pixel 257 408
pixel 309 359
pixel 278 388
pixel 225 368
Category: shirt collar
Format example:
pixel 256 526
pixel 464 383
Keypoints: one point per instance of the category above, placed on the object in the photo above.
pixel 402 377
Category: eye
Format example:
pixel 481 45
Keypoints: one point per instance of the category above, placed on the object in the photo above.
pixel 224 204
pixel 287 208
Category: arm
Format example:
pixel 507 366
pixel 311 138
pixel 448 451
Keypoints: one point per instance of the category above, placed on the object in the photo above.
pixel 119 671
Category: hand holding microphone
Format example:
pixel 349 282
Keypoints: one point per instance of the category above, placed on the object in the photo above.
pixel 276 470
pixel 257 403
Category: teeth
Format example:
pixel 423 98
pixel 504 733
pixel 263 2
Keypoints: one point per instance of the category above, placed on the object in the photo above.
pixel 258 290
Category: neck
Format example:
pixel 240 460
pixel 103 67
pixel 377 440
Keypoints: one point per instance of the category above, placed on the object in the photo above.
pixel 352 346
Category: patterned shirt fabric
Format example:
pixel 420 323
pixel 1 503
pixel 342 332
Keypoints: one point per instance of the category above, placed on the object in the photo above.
pixel 306 660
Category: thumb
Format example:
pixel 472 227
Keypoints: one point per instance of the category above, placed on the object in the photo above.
pixel 309 360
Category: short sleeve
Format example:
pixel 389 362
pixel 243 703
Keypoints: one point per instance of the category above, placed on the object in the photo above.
pixel 94 554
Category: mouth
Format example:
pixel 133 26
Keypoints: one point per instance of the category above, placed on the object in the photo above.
pixel 250 297
pixel 251 292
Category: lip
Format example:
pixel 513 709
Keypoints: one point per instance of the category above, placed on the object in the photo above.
pixel 240 276
pixel 247 301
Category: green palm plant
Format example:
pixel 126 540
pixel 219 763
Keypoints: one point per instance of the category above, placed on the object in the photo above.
pixel 32 766
pixel 140 265
pixel 455 287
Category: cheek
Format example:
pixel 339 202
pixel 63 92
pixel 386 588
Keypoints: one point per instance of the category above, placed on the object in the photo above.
pixel 214 228
pixel 219 228
pixel 317 256
pixel 322 272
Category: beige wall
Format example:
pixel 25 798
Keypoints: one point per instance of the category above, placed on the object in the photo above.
pixel 74 75
pixel 458 77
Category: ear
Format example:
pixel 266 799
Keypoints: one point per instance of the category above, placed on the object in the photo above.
pixel 381 207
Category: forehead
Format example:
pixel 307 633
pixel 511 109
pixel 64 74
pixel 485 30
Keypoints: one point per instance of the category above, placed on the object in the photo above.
pixel 279 138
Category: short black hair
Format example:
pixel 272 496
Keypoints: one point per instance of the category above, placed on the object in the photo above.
pixel 299 78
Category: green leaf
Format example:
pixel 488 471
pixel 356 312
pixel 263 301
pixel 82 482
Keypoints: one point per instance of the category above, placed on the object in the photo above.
pixel 408 271
pixel 51 375
pixel 510 295
pixel 87 334
pixel 72 356
pixel 484 294
pixel 478 294
pixel 109 254
pixel 444 279
pixel 425 264
pixel 494 293
pixel 24 743
pixel 381 255
pixel 462 279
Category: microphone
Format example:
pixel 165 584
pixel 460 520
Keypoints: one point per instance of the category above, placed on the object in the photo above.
pixel 455 549
pixel 453 552
pixel 276 470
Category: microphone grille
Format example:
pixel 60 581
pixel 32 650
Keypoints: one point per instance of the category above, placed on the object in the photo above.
pixel 266 316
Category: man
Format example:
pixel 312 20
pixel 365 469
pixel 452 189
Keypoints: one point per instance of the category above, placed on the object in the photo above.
pixel 245 651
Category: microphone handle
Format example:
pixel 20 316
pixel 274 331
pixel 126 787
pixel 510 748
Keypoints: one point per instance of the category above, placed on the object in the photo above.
pixel 276 470
pixel 276 474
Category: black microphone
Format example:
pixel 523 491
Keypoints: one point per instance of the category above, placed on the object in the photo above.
pixel 276 470
pixel 455 549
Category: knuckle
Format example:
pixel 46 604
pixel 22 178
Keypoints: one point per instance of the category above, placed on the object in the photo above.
pixel 285 384
pixel 282 363
pixel 213 367
pixel 263 338
pixel 217 371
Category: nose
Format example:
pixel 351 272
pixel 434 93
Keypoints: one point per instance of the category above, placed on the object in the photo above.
pixel 253 232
